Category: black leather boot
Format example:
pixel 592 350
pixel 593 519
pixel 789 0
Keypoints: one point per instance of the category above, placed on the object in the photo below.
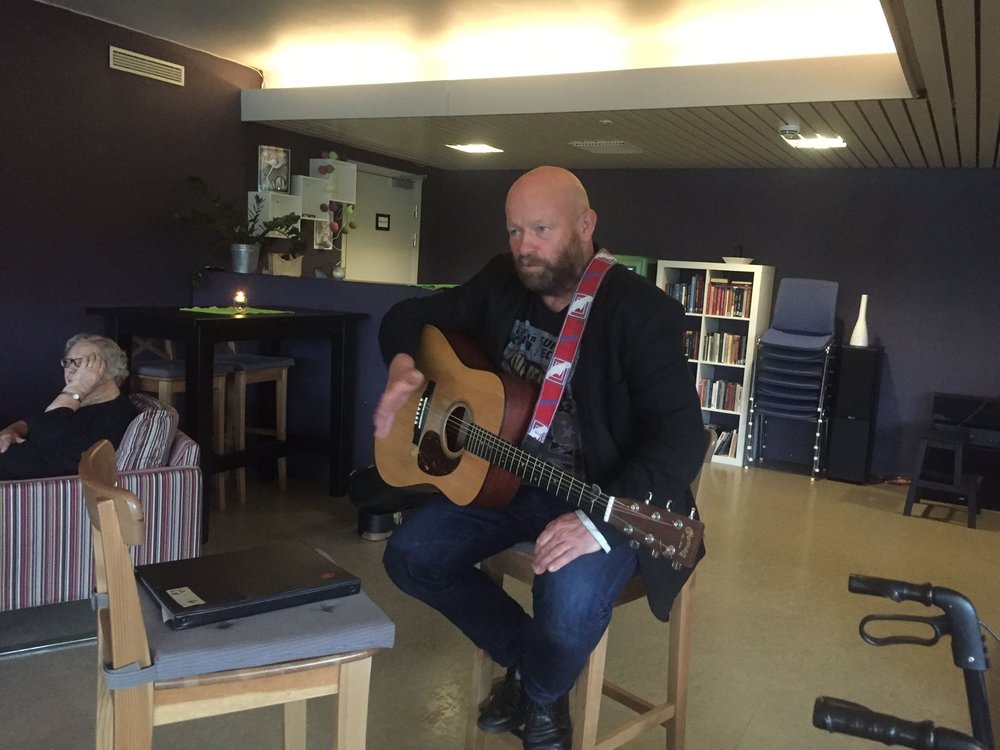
pixel 505 710
pixel 548 726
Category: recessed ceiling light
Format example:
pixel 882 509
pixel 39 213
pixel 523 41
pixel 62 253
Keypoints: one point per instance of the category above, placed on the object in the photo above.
pixel 606 147
pixel 475 148
pixel 789 132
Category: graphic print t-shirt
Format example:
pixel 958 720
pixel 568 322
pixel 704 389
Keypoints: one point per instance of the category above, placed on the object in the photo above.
pixel 533 338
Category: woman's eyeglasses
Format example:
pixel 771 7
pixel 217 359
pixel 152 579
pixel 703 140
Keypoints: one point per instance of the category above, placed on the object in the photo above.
pixel 67 361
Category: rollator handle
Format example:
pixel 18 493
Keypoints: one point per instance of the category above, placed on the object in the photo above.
pixel 898 591
pixel 844 717
pixel 962 622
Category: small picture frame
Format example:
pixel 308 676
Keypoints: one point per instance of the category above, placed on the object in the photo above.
pixel 273 170
pixel 322 235
pixel 382 222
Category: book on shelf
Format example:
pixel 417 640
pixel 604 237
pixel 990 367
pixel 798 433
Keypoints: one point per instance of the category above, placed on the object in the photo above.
pixel 724 348
pixel 727 438
pixel 689 293
pixel 691 340
pixel 725 395
pixel 729 298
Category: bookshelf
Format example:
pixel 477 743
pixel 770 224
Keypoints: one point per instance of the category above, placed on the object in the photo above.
pixel 728 306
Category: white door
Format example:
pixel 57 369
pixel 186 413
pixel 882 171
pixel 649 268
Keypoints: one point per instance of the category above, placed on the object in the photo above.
pixel 385 244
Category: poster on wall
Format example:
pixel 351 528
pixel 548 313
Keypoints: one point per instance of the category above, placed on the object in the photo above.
pixel 273 169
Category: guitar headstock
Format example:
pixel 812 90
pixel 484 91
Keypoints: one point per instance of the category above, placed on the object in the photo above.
pixel 661 532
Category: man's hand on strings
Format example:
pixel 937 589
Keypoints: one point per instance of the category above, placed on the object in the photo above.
pixel 403 381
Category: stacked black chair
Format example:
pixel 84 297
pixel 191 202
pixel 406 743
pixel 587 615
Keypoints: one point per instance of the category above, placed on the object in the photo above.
pixel 791 372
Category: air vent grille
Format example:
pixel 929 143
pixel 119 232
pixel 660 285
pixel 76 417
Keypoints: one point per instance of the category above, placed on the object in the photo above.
pixel 606 147
pixel 143 65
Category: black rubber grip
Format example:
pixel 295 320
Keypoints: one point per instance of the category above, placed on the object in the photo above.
pixel 898 591
pixel 844 717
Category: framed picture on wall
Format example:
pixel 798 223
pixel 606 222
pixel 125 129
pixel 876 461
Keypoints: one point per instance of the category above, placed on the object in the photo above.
pixel 273 169
pixel 322 235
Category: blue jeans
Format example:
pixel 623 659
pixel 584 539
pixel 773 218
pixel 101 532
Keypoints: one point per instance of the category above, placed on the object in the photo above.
pixel 432 557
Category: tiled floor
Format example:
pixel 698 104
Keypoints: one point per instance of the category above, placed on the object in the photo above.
pixel 775 626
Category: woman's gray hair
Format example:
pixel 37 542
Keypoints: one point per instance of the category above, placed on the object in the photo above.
pixel 111 353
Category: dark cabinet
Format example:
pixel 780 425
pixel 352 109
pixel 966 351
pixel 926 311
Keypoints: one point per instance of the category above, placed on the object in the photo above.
pixel 852 417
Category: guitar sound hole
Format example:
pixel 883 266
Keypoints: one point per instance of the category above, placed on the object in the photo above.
pixel 456 429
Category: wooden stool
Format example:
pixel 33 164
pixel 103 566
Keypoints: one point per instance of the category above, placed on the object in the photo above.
pixel 248 369
pixel 591 684
pixel 964 486
pixel 166 379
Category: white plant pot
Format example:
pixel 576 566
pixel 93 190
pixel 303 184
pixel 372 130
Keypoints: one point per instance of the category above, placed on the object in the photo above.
pixel 281 267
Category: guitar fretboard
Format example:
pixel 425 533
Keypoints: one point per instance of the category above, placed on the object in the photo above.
pixel 517 461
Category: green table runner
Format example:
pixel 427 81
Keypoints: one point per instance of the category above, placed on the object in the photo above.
pixel 233 311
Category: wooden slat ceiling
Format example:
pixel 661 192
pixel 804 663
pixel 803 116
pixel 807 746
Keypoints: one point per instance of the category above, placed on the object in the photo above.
pixel 950 49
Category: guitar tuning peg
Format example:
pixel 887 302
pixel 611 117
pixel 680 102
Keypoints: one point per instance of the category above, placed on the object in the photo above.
pixel 675 565
pixel 649 498
pixel 670 504
pixel 633 544
pixel 692 513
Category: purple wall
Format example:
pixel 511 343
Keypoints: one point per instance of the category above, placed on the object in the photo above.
pixel 95 159
pixel 94 165
pixel 921 243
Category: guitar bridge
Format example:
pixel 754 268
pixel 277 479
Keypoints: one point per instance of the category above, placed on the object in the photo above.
pixel 420 414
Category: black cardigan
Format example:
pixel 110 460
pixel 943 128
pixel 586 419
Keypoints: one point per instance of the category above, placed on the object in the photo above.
pixel 640 421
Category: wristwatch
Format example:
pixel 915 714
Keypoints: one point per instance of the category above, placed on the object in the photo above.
pixel 74 396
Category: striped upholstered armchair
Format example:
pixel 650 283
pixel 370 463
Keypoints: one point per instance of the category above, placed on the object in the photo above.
pixel 45 544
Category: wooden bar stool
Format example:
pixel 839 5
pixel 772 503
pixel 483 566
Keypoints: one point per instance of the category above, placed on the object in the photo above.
pixel 249 369
pixel 166 378
pixel 591 684
pixel 585 706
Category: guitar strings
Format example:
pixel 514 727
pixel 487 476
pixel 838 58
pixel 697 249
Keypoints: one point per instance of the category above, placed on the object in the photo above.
pixel 508 455
pixel 497 451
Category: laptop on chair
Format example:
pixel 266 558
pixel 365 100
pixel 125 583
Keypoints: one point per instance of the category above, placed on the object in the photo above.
pixel 227 585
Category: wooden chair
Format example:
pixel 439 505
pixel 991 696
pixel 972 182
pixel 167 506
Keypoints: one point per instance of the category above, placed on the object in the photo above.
pixel 150 675
pixel 591 684
pixel 234 371
pixel 165 377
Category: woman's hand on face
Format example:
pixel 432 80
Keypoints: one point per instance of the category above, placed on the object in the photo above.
pixel 88 374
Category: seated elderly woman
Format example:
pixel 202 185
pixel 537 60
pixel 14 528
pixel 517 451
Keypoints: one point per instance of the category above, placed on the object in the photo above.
pixel 91 407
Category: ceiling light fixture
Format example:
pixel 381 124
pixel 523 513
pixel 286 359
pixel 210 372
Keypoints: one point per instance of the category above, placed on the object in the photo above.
pixel 475 148
pixel 789 131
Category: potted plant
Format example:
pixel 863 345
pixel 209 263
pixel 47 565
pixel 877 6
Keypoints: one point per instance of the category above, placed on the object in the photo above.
pixel 241 229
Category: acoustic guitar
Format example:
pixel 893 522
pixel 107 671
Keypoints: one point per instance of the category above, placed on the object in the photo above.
pixel 460 434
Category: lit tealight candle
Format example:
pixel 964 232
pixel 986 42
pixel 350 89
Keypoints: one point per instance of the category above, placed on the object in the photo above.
pixel 240 299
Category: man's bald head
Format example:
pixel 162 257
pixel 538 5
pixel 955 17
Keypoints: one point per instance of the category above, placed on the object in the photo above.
pixel 553 184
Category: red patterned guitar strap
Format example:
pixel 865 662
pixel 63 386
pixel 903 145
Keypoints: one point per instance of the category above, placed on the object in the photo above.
pixel 564 357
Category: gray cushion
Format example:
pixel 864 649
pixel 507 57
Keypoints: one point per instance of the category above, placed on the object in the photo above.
pixel 173 368
pixel 335 626
pixel 253 361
